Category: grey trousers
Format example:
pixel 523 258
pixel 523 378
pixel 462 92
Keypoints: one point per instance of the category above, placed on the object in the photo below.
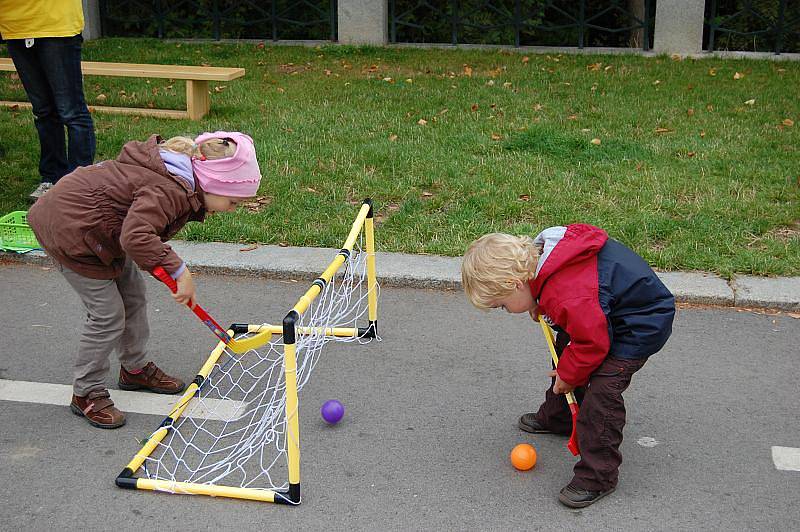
pixel 116 317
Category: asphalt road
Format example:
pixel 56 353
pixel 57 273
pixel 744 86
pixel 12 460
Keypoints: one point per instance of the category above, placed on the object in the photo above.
pixel 431 418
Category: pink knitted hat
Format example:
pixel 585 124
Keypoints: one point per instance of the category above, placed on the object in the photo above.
pixel 237 176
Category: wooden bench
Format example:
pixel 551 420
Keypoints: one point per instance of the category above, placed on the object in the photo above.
pixel 198 101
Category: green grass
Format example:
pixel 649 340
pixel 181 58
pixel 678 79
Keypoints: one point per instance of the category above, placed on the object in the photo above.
pixel 686 173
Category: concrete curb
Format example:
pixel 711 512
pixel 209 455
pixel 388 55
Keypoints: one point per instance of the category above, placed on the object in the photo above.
pixel 428 271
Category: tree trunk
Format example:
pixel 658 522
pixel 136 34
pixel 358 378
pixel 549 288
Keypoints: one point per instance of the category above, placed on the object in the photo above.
pixel 636 9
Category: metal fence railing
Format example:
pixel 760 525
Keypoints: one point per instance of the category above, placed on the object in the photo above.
pixel 753 25
pixel 220 19
pixel 579 23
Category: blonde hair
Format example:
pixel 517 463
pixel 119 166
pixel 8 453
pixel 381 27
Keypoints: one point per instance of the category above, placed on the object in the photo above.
pixel 210 149
pixel 494 263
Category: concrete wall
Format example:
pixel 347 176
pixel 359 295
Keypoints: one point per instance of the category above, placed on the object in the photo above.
pixel 363 21
pixel 679 27
pixel 91 20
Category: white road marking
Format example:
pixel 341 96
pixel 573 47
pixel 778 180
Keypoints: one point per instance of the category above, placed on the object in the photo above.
pixel 647 441
pixel 139 402
pixel 786 458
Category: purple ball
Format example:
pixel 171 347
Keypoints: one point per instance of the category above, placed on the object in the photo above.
pixel 332 411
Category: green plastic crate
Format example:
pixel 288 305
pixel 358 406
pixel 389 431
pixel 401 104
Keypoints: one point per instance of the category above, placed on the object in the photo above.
pixel 16 234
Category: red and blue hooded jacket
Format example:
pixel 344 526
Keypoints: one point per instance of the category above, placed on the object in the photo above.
pixel 603 295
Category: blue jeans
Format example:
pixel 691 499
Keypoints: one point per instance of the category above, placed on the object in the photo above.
pixel 50 71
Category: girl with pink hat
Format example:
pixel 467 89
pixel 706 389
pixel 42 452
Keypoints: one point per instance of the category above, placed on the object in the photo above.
pixel 102 221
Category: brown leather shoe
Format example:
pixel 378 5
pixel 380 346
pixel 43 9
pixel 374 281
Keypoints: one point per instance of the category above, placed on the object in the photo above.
pixel 98 409
pixel 151 378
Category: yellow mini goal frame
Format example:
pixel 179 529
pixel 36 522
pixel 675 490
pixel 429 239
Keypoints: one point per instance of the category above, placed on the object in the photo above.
pixel 289 329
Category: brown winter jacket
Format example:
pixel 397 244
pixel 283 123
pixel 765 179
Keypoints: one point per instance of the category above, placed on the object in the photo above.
pixel 97 215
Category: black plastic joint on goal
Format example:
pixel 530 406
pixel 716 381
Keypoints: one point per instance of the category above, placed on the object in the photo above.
pixel 368 201
pixel 168 422
pixel 345 253
pixel 369 332
pixel 291 497
pixel 126 480
pixel 288 327
pixel 319 281
pixel 198 380
pixel 239 328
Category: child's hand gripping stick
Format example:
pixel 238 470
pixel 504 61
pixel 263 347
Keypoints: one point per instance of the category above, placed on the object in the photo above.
pixel 161 274
pixel 572 445
pixel 237 346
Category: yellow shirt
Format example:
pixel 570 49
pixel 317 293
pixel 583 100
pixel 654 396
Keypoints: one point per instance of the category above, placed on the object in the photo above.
pixel 26 19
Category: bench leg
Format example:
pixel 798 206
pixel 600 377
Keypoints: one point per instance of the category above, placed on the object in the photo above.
pixel 198 101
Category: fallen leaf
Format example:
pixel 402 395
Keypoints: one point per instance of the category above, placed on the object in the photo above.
pixel 537 107
pixel 793 315
pixel 312 190
pixel 702 134
pixel 219 88
pixel 507 84
pixel 572 117
pixel 676 57
pixel 426 194
pixel 392 137
pixel 281 90
pixel 594 66
pixel 468 71
pixel 738 75
pixel 249 248
pixel 388 80
pixel 524 197
pixel 609 67
pixel 283 244
pixel 596 141
pixel 443 111
pixel 663 130
pixel 101 98
pixel 474 107
pixel 709 108
pixel 712 71
pixel 657 82
pixel 490 82
pixel 690 154
pixel 422 122
pixel 409 80
pixel 750 102
pixel 690 112
pixel 328 72
pixel 496 136
pixel 525 59
pixel 788 122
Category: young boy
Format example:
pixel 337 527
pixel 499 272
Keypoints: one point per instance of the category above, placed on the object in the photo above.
pixel 611 313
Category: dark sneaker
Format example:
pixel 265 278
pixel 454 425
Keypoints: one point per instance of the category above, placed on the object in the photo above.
pixel 529 423
pixel 151 378
pixel 575 497
pixel 98 409
pixel 40 191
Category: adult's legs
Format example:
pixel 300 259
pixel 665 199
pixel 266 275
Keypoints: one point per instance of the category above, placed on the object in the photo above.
pixel 53 157
pixel 61 58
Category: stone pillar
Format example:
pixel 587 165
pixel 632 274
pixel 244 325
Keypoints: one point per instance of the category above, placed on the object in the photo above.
pixel 91 20
pixel 679 26
pixel 363 22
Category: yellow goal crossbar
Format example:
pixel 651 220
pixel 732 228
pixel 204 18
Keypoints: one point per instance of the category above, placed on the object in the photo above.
pixel 289 329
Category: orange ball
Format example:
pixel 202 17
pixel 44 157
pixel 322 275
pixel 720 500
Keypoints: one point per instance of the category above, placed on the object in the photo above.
pixel 523 457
